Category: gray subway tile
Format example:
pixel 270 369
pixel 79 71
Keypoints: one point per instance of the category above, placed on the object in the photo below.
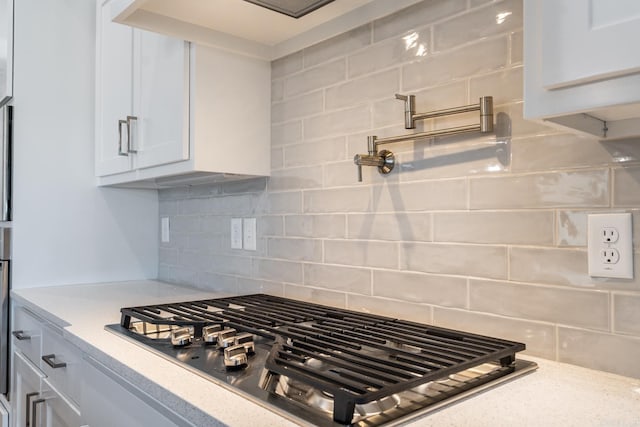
pixel 390 53
pixel 464 62
pixel 414 17
pixel 353 119
pixel 361 253
pixel 317 226
pixel 277 270
pixel 320 296
pixel 553 152
pixel 286 133
pixel 301 106
pixel 626 186
pixel 534 228
pixel 539 337
pixel 315 153
pixel 252 286
pixel 315 78
pixel 460 259
pixel 420 288
pixel 287 202
pixel 336 278
pixel 393 308
pixel 543 190
pixel 421 196
pixel 295 249
pixel 626 313
pixel 504 86
pixel 342 44
pixel 286 65
pixel 337 200
pixel 602 351
pixel 566 306
pixel 295 179
pixel 363 89
pixel 397 226
pixel 497 18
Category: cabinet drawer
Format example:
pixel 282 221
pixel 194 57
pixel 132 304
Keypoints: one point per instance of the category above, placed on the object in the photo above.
pixel 56 410
pixel 61 363
pixel 27 334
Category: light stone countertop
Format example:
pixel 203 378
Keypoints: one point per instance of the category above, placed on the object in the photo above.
pixel 555 395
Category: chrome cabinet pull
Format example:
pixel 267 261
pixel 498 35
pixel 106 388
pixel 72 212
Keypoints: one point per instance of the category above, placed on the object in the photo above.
pixel 34 409
pixel 129 119
pixel 20 335
pixel 49 359
pixel 120 152
pixel 27 414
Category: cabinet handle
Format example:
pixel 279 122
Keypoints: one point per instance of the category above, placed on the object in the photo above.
pixel 120 152
pixel 20 335
pixel 27 412
pixel 49 359
pixel 34 409
pixel 129 119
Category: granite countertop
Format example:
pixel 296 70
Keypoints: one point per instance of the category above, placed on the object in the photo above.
pixel 555 395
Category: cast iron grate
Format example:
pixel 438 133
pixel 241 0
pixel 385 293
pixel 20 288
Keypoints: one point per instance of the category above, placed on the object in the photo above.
pixel 358 357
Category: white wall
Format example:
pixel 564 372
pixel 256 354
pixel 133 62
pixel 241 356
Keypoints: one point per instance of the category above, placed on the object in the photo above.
pixel 66 230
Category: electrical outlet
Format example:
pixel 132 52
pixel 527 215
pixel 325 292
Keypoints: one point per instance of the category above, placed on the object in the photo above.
pixel 610 245
pixel 236 233
pixel 610 256
pixel 249 234
pixel 610 235
pixel 164 230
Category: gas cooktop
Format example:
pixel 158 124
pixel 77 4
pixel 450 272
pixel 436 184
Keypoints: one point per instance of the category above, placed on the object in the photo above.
pixel 322 365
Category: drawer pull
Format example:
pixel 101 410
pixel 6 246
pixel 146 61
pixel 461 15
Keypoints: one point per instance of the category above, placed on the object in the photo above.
pixel 50 359
pixel 20 335
pixel 34 410
pixel 27 414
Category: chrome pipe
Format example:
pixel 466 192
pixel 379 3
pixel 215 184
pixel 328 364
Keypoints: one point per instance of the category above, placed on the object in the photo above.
pixel 428 134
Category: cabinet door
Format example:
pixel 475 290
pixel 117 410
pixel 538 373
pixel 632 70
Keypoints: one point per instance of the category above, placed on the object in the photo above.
pixel 588 40
pixel 26 390
pixel 161 99
pixel 6 50
pixel 114 89
pixel 54 410
pixel 107 402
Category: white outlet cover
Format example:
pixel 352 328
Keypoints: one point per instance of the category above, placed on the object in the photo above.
pixel 598 226
pixel 249 234
pixel 236 233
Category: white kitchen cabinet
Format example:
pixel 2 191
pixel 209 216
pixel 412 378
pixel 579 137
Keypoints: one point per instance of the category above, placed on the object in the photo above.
pixel 142 106
pixel 109 400
pixel 172 113
pixel 6 50
pixel 582 70
pixel 35 402
pixel 43 394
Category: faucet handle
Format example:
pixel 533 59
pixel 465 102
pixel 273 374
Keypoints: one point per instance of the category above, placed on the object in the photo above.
pixel 402 97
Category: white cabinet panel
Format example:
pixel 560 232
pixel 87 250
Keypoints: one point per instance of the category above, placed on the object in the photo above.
pixel 582 67
pixel 114 91
pixel 142 104
pixel 584 41
pixel 6 50
pixel 107 403
pixel 161 99
pixel 26 388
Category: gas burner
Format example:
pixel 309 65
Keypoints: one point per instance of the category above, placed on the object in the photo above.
pixel 323 365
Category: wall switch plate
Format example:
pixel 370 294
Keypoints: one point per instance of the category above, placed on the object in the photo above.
pixel 236 233
pixel 610 245
pixel 249 234
pixel 164 229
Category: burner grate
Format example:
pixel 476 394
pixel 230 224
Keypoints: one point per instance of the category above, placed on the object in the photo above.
pixel 361 357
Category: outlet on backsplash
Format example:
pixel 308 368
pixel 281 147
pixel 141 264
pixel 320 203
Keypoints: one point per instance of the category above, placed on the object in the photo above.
pixel 610 245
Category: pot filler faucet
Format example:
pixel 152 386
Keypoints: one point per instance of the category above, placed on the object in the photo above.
pixel 385 159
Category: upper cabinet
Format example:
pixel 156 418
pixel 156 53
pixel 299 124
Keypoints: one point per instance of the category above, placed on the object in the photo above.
pixel 6 51
pixel 171 113
pixel 582 67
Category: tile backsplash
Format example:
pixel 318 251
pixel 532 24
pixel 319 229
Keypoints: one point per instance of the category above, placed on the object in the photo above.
pixel 485 233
